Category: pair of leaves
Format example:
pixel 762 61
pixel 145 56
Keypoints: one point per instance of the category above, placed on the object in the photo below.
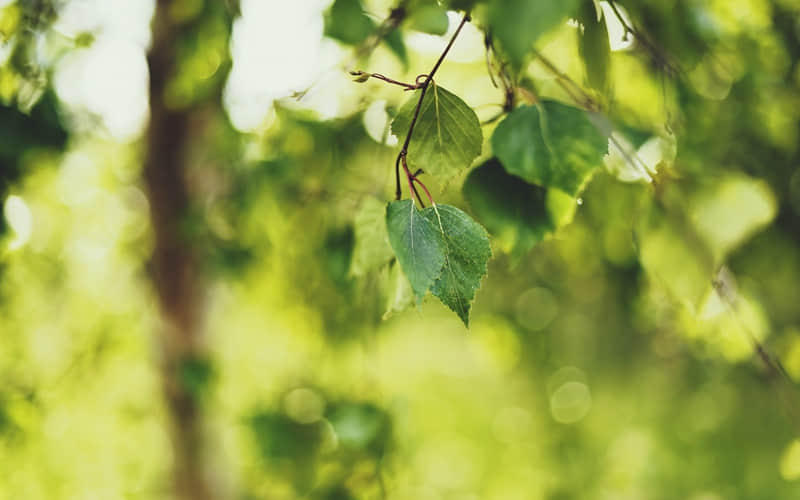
pixel 440 249
pixel 545 155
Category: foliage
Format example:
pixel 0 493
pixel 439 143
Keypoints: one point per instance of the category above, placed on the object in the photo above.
pixel 613 211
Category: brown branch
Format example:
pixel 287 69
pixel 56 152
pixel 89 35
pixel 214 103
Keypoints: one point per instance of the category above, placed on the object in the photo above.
pixel 423 85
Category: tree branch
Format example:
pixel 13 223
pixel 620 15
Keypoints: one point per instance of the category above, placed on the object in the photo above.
pixel 424 86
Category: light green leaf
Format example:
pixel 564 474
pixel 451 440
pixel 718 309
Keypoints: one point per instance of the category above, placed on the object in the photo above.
pixel 517 24
pixel 430 18
pixel 417 243
pixel 467 251
pixel 447 136
pixel 729 212
pixel 517 214
pixel 594 46
pixel 550 144
pixel 372 248
pixel 673 258
pixel 399 296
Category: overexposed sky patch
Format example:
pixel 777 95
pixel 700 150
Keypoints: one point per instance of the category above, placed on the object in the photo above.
pixel 278 48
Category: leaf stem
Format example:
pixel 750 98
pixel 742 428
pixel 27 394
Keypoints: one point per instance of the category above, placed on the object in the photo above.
pixel 423 85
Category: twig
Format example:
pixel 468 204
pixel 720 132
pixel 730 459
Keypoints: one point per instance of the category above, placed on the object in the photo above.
pixel 361 76
pixel 576 92
pixel 659 55
pixel 423 85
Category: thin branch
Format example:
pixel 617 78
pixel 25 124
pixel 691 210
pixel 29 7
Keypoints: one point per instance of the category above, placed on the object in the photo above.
pixel 424 87
pixel 659 55
pixel 576 93
pixel 361 76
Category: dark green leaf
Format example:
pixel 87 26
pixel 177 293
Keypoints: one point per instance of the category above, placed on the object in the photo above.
pixel 550 144
pixel 394 41
pixel 467 251
pixel 594 47
pixel 430 18
pixel 346 21
pixel 514 211
pixel 447 136
pixel 516 24
pixel 417 243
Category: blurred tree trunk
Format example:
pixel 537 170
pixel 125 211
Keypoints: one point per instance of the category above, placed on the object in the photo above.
pixel 175 264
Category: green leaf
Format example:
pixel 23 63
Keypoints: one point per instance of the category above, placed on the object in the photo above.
pixel 594 46
pixel 346 21
pixel 516 24
pixel 372 249
pixel 517 214
pixel 673 258
pixel 417 243
pixel 550 144
pixel 394 41
pixel 467 251
pixel 447 136
pixel 730 211
pixel 430 18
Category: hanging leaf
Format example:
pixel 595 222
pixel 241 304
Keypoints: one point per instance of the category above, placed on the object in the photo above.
pixel 447 136
pixel 517 214
pixel 429 18
pixel 417 243
pixel 467 251
pixel 550 144
pixel 517 24
pixel 594 46
pixel 372 248
pixel 441 249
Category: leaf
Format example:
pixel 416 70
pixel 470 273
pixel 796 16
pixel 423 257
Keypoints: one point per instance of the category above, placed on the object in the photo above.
pixel 673 257
pixel 394 41
pixel 467 251
pixel 441 249
pixel 730 211
pixel 634 157
pixel 372 249
pixel 430 18
pixel 417 243
pixel 399 296
pixel 346 21
pixel 447 136
pixel 518 214
pixel 594 46
pixel 550 144
pixel 516 24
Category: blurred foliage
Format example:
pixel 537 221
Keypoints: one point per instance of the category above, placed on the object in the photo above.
pixel 612 345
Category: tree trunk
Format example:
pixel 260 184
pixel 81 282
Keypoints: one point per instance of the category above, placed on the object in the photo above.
pixel 174 266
